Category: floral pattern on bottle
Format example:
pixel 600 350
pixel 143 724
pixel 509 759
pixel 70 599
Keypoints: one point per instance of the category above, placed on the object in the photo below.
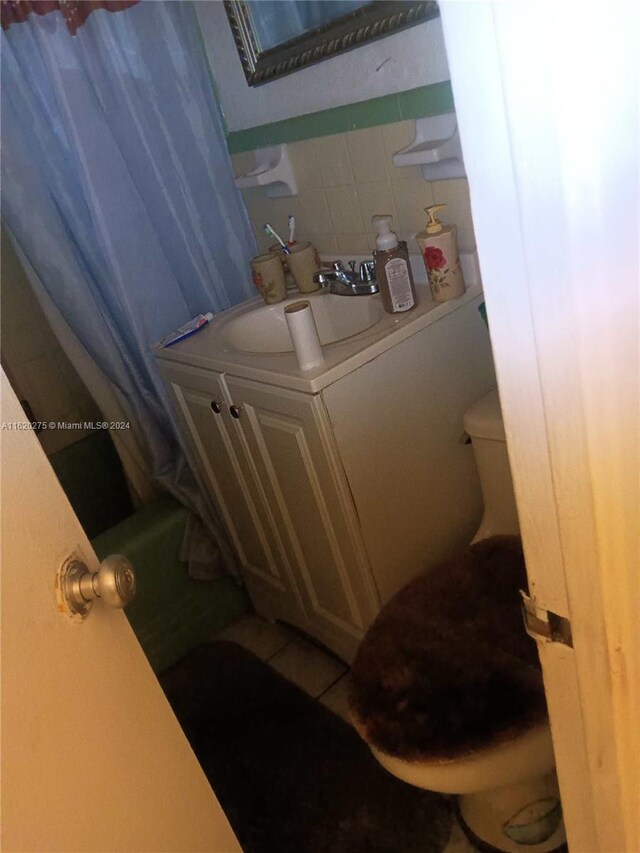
pixel 434 258
pixel 438 269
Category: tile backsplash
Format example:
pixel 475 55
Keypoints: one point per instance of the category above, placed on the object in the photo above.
pixel 346 178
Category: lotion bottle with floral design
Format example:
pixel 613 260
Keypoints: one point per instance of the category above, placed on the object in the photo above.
pixel 439 248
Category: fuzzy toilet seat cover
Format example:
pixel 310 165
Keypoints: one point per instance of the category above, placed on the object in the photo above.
pixel 447 668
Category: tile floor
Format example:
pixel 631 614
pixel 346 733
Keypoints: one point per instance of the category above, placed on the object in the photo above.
pixel 316 672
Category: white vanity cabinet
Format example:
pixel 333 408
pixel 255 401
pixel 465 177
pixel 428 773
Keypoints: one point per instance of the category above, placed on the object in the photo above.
pixel 269 457
pixel 203 404
pixel 341 484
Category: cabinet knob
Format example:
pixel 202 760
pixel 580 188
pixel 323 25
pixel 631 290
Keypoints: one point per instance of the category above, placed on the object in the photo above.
pixel 235 411
pixel 215 405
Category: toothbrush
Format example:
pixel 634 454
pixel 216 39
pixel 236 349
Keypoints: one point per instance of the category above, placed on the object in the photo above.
pixel 269 230
pixel 292 227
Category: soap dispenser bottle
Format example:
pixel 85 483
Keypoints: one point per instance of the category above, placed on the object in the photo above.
pixel 439 248
pixel 393 270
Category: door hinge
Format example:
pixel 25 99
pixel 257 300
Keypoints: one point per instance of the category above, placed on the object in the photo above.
pixel 543 624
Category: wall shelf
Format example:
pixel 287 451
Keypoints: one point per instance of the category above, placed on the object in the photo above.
pixel 273 171
pixel 436 148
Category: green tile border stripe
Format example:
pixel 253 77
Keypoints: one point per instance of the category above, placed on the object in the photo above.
pixel 415 103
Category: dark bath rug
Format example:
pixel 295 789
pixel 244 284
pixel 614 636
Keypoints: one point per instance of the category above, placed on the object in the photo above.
pixel 292 776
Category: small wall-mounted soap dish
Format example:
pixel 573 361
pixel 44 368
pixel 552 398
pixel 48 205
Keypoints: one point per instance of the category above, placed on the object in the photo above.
pixel 273 171
pixel 436 148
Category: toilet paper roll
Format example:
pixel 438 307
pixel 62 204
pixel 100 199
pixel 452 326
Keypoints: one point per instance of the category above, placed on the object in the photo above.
pixel 304 334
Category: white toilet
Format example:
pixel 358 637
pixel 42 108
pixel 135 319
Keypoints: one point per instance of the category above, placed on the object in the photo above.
pixel 483 423
pixel 508 794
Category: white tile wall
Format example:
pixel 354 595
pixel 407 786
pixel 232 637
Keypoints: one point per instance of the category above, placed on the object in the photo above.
pixel 344 209
pixel 305 164
pixel 343 180
pixel 332 156
pixel 410 198
pixel 367 155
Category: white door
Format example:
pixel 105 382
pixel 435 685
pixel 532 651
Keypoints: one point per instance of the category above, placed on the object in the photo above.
pixel 547 102
pixel 92 757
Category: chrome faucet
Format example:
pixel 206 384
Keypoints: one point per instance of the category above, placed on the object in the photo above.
pixel 344 282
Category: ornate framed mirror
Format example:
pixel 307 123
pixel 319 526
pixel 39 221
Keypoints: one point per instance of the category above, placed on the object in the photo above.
pixel 278 37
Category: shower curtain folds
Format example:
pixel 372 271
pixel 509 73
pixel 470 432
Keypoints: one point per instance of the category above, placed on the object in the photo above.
pixel 117 189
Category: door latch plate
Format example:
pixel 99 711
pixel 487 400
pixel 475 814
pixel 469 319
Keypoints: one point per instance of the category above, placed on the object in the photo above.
pixel 543 624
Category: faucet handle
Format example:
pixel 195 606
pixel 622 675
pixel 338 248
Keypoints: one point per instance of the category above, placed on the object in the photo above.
pixel 352 264
pixel 336 265
pixel 367 271
pixel 322 278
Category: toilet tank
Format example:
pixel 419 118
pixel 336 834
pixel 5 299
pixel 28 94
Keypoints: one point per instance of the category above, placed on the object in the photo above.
pixel 483 422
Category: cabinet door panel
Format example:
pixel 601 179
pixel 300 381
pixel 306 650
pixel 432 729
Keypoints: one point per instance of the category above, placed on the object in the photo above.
pixel 289 440
pixel 292 472
pixel 212 435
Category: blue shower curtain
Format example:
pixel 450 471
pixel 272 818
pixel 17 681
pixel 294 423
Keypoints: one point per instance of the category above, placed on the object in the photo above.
pixel 117 187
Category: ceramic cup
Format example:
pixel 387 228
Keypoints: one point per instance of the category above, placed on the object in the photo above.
pixel 277 250
pixel 268 277
pixel 304 263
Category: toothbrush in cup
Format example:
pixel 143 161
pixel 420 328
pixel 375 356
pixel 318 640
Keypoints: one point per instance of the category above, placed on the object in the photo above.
pixel 292 228
pixel 269 230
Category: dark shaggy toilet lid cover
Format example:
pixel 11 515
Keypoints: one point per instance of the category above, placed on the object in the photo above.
pixel 447 667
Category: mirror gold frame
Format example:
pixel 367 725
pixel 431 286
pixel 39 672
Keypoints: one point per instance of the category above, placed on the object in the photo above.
pixel 372 21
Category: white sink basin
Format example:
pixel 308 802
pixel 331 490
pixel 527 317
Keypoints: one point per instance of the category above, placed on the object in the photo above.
pixel 251 340
pixel 264 328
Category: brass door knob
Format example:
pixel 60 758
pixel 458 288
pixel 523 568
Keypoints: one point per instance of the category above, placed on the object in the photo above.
pixel 114 584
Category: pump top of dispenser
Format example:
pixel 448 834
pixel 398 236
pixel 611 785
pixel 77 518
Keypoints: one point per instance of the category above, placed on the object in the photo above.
pixel 386 238
pixel 434 226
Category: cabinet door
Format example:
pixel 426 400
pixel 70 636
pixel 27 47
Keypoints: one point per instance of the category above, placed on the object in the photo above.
pixel 289 439
pixel 198 396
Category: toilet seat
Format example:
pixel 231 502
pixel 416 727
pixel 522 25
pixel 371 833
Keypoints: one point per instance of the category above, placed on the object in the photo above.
pixel 447 671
